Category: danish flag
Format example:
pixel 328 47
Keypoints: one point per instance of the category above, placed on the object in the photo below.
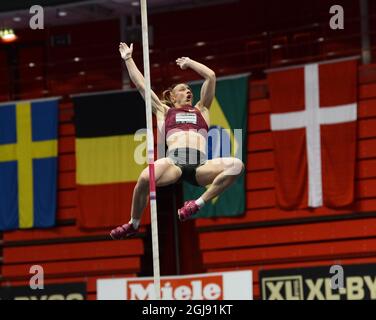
pixel 313 123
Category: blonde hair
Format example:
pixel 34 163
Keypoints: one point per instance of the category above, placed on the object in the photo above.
pixel 166 96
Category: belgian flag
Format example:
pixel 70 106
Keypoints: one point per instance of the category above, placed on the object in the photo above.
pixel 109 155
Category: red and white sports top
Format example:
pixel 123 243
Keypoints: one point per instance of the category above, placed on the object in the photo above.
pixel 185 118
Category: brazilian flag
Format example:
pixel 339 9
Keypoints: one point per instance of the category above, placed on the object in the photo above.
pixel 226 138
pixel 28 163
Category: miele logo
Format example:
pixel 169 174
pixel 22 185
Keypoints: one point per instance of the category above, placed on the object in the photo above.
pixel 208 288
pixel 294 287
pixel 231 285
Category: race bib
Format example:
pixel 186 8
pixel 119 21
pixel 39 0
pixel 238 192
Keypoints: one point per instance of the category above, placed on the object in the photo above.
pixel 186 118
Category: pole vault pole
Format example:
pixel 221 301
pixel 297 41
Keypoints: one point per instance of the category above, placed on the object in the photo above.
pixel 150 143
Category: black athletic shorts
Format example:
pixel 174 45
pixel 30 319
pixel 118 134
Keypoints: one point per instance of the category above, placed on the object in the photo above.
pixel 188 160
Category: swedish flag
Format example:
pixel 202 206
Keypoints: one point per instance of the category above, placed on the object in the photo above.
pixel 28 163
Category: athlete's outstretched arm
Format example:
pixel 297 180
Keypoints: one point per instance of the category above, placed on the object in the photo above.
pixel 208 88
pixel 137 77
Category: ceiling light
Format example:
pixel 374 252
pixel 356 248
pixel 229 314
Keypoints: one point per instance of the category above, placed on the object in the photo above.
pixel 76 59
pixel 17 19
pixel 8 35
pixel 209 57
pixel 200 43
pixel 31 64
pixel 61 13
pixel 135 3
